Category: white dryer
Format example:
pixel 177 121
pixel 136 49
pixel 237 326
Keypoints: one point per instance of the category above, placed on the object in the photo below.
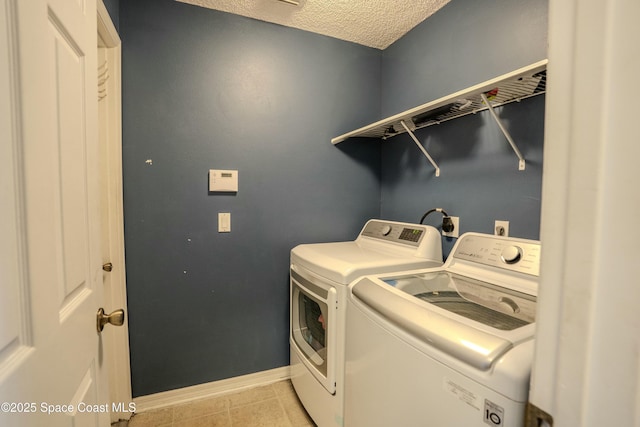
pixel 320 274
pixel 447 347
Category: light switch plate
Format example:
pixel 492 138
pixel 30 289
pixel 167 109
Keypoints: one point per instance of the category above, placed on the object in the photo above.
pixel 224 222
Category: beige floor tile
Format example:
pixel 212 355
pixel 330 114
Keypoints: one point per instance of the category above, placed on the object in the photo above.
pixel 221 419
pixel 295 411
pixel 283 388
pixel 268 413
pixel 201 408
pixel 152 418
pixel 274 405
pixel 253 395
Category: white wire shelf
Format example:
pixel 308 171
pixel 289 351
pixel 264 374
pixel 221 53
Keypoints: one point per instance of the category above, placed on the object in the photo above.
pixel 515 86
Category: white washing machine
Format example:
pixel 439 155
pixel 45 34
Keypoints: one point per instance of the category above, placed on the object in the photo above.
pixel 320 274
pixel 446 347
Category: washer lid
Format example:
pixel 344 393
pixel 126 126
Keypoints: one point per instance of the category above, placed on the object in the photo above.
pixel 491 305
pixel 343 262
pixel 460 338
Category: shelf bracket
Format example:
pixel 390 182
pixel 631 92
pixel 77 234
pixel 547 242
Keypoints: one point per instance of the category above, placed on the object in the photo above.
pixel 424 151
pixel 505 132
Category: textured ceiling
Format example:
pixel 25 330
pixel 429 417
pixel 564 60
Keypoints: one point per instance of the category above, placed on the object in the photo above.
pixel 373 23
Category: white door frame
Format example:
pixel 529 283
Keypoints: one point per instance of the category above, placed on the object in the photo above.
pixel 587 362
pixel 110 128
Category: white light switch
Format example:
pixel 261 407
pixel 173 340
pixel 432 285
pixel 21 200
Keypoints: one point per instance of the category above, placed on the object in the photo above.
pixel 224 222
pixel 223 180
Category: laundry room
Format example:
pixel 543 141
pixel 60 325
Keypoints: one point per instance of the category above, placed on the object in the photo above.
pixel 283 212
pixel 204 89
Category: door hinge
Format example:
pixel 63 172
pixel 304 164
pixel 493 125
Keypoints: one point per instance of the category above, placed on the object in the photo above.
pixel 536 417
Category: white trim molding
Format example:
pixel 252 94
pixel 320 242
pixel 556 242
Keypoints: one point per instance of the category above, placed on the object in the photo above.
pixel 215 388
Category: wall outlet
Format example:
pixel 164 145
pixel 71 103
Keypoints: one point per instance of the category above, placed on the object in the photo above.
pixel 501 228
pixel 456 227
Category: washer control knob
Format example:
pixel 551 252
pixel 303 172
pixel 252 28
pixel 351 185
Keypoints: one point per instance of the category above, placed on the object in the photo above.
pixel 511 254
pixel 386 229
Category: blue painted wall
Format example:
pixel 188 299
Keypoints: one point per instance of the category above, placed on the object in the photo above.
pixel 465 43
pixel 202 90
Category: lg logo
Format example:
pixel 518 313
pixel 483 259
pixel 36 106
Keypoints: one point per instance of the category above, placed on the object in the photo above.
pixel 493 414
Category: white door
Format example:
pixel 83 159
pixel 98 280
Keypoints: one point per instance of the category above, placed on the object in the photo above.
pixel 51 362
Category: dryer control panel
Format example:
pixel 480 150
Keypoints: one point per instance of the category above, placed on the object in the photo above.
pixel 408 234
pixel 518 255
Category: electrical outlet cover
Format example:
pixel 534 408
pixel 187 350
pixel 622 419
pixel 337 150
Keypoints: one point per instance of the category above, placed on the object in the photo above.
pixel 456 228
pixel 501 225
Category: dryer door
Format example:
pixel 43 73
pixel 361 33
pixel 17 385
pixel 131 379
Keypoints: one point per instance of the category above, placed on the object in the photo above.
pixel 313 334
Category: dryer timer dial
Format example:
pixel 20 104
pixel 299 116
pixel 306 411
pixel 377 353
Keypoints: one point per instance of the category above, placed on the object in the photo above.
pixel 511 254
pixel 386 229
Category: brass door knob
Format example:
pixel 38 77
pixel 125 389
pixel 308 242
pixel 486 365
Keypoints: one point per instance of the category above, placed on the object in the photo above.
pixel 107 267
pixel 116 318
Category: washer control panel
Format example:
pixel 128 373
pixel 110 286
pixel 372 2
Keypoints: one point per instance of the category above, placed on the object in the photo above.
pixel 511 254
pixel 408 234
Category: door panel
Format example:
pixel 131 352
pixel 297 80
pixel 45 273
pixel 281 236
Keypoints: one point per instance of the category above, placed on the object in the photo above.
pixel 14 323
pixel 68 80
pixel 50 352
pixel 85 400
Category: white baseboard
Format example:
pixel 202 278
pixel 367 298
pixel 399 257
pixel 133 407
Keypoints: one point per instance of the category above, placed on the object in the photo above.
pixel 215 388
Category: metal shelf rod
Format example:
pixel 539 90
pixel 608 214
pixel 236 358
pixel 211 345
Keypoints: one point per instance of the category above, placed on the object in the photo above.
pixel 521 162
pixel 424 151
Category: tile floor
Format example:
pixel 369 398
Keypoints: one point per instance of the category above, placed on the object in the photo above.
pixel 273 405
